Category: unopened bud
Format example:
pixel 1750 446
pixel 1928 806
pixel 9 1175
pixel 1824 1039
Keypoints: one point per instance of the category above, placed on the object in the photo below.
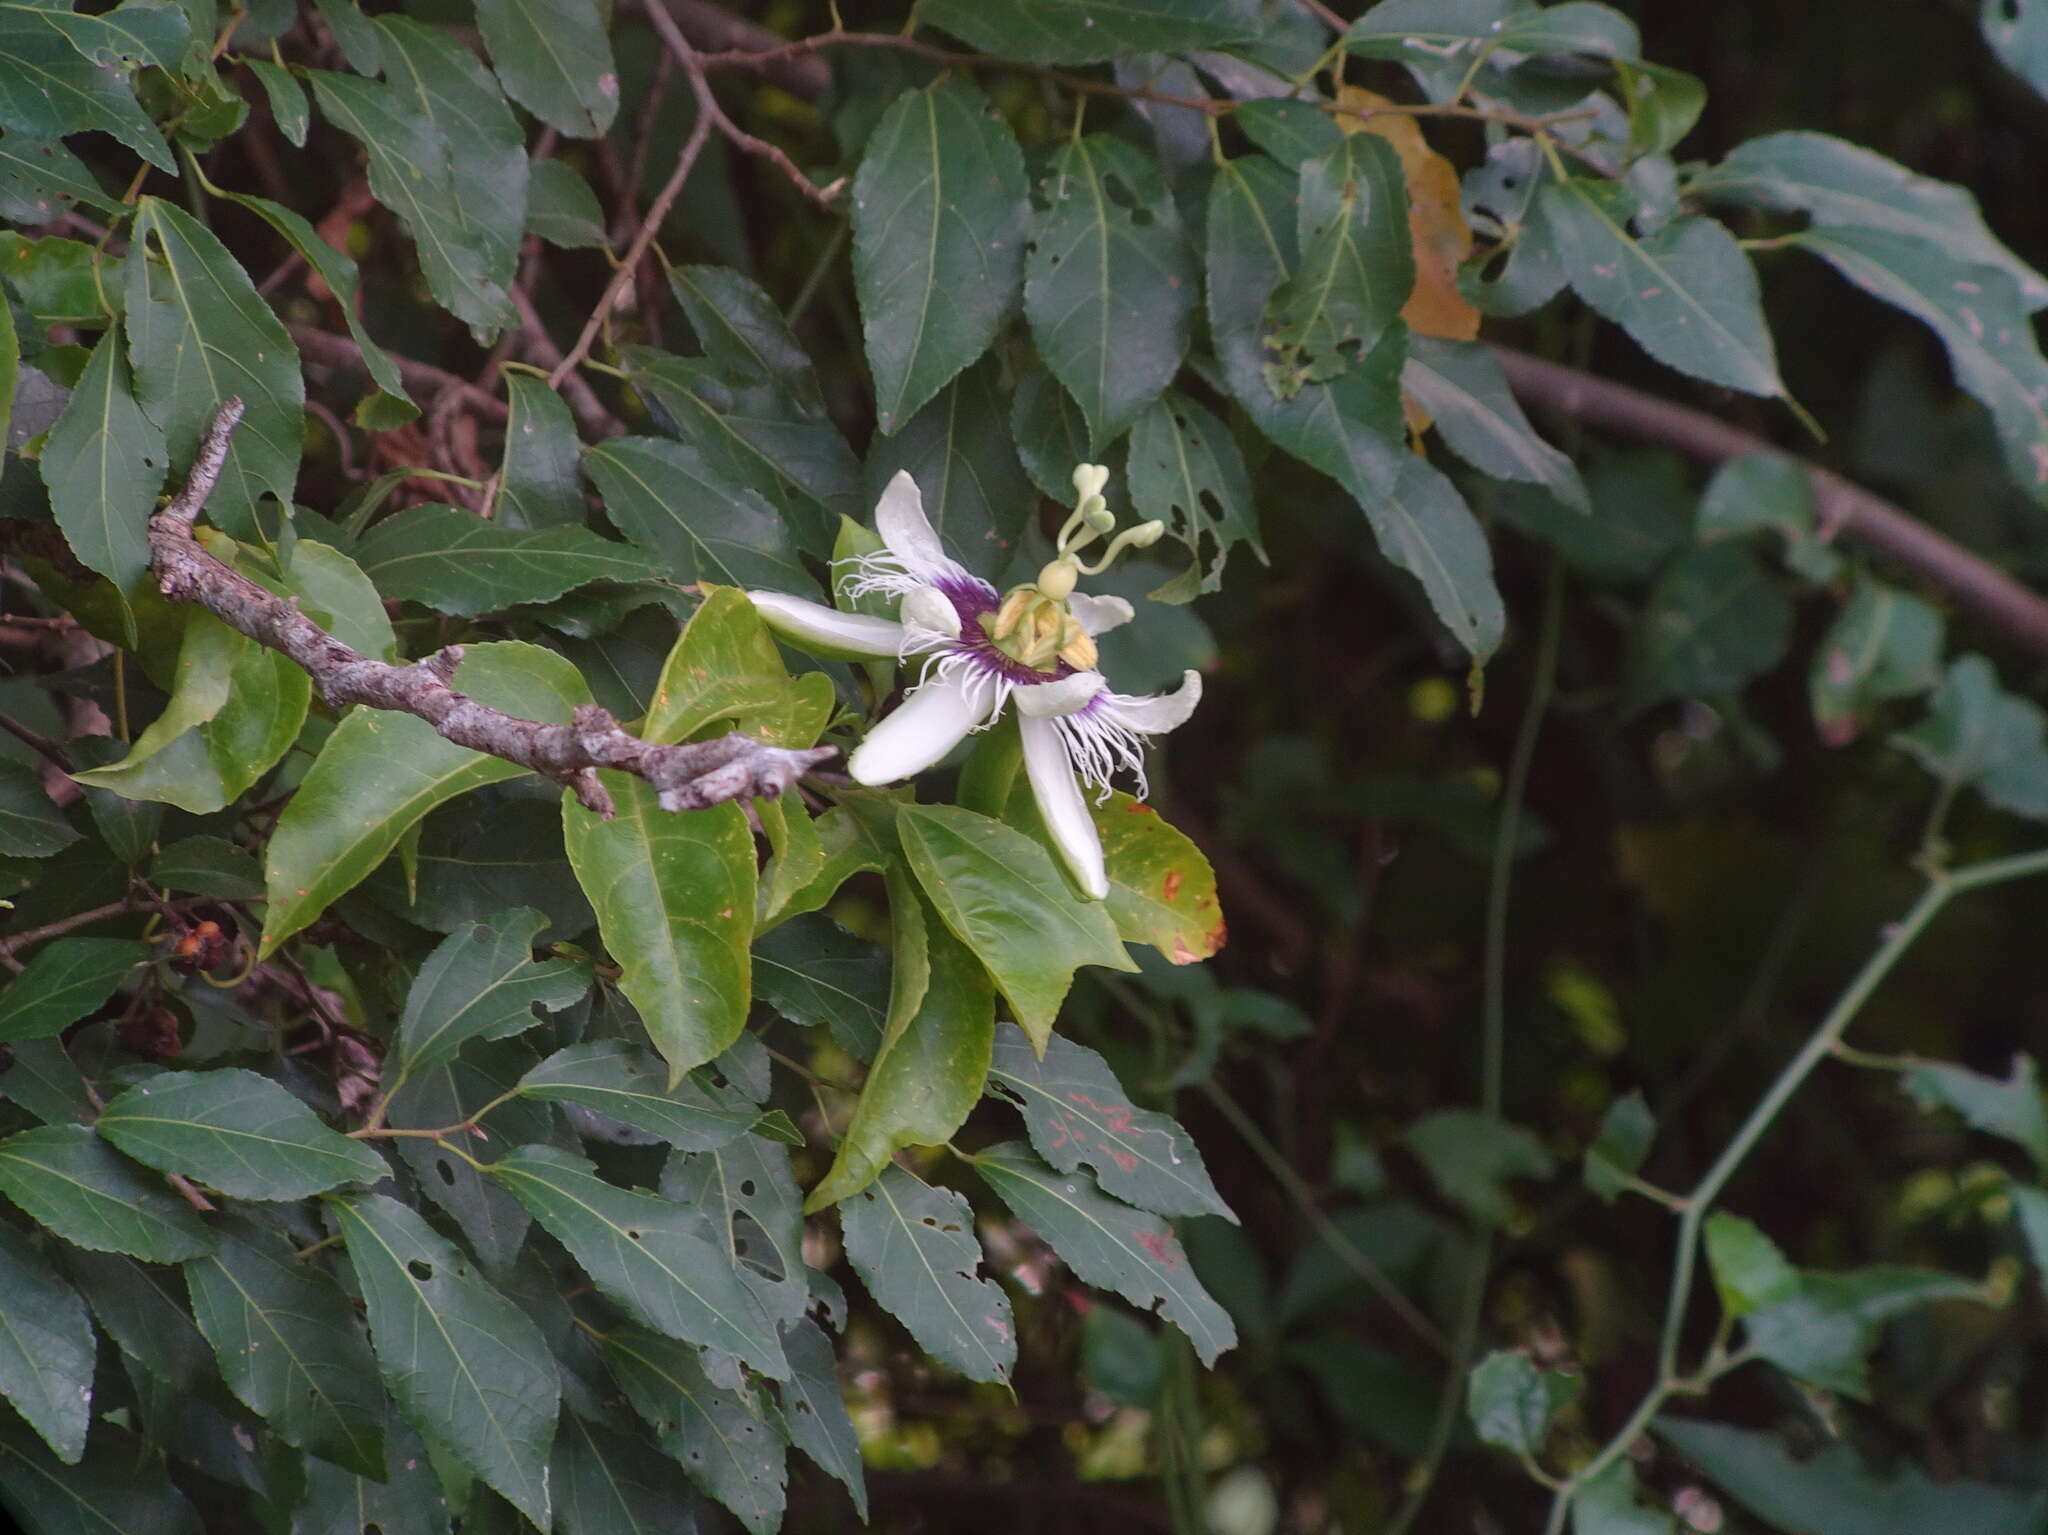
pixel 1089 480
pixel 1099 517
pixel 1145 534
pixel 1057 579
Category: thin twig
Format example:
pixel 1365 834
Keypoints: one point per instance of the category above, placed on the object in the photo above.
pixel 687 777
pixel 336 350
pixel 590 411
pixel 38 743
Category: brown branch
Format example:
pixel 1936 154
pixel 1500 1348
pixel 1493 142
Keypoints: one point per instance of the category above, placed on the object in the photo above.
pixel 714 29
pixel 1972 582
pixel 334 350
pixel 688 777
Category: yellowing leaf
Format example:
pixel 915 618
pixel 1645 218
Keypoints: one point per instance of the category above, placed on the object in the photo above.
pixel 1441 236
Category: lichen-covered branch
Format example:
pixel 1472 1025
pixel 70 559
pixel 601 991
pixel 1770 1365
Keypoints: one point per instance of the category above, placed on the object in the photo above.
pixel 688 777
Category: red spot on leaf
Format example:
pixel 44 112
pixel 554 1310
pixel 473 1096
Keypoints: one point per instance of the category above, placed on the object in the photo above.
pixel 1139 807
pixel 1155 1243
pixel 1118 1118
pixel 1122 1159
pixel 1170 886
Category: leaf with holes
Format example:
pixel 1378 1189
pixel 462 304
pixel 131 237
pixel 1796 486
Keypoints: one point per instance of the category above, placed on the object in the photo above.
pixel 655 1258
pixel 46 1348
pixel 723 1439
pixel 628 1084
pixel 1186 471
pixel 237 1132
pixel 64 982
pixel 814 1410
pixel 50 88
pixel 1108 1244
pixel 606 1483
pixel 482 982
pixel 68 1179
pixel 465 1365
pixel 290 1346
pixel 913 1246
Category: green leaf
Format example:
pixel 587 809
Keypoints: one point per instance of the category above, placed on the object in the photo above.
pixel 456 562
pixel 1823 1333
pixel 1749 1271
pixel 812 971
pixel 2017 34
pixel 473 867
pixel 814 1410
pixel 722 1438
pixel 290 1347
pixel 143 1308
pixel 390 405
pixel 138 32
pixel 1162 891
pixel 237 1132
pixel 630 1085
pixel 355 33
pixel 49 88
pixel 1001 895
pixel 104 464
pixel 958 448
pixel 555 60
pixel 1108 1244
pixel 744 334
pixel 1715 620
pixel 1842 185
pixel 379 773
pixel 673 501
pixel 653 1257
pixel 1076 1113
pixel 608 1484
pixel 466 1367
pixel 208 866
pixel 1471 1156
pixel 562 210
pixel 1349 428
pixel 40 180
pixel 914 1248
pixel 333 586
pixel 1982 324
pixel 539 488
pixel 929 1069
pixel 1109 282
pixel 199 334
pixel 1687 294
pixel 1978 734
pixel 1833 1493
pixel 1355 267
pixel 1462 388
pixel 674 897
pixel 119 1486
pixel 1461 30
pixel 66 1178
pixel 482 983
pixel 1186 471
pixel 748 1190
pixel 1768 492
pixel 288 104
pixel 45 1083
pixel 2030 1206
pixel 58 281
pixel 1884 644
pixel 725 667
pixel 2012 1109
pixel 1511 1402
pixel 31 825
pixel 46 1348
pixel 407 1499
pixel 939 227
pixel 1607 1505
pixel 1085 32
pixel 1049 433
pixel 66 980
pixel 1626 1130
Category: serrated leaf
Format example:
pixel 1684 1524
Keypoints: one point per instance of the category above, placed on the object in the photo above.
pixel 120 1485
pixel 482 982
pixel 31 825
pixel 1687 294
pixel 1109 284
pixel 812 971
pixel 104 464
pixel 555 60
pixel 46 1348
pixel 958 449
pixel 1749 1270
pixel 64 982
pixel 1084 32
pixel 456 562
pixel 1467 398
pixel 1108 1244
pixel 672 501
pixel 655 1258
pixel 1076 1113
pixel 1162 891
pixel 465 1365
pixel 1978 734
pixel 407 1498
pixel 49 88
pixel 743 332
pixel 379 773
pixel 40 179
pixel 1000 894
pixel 914 1248
pixel 623 1082
pixel 1511 1402
pixel 290 1347
pixel 199 335
pixel 1460 30
pixel 2012 1108
pixel 1186 471
pixel 814 1410
pixel 539 487
pixel 561 208
pixel 1626 1130
pixel 1884 644
pixel 929 1067
pixel 1715 620
pixel 720 1437
pixel 939 225
pixel 143 1308
pixel 748 1190
pixel 606 1483
pixel 66 1178
pixel 1823 1333
pixel 237 1132
pixel 208 866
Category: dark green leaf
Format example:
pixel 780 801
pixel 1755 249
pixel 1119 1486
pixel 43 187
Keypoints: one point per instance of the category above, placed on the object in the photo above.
pixel 1716 619
pixel 237 1132
pixel 46 1348
pixel 1978 734
pixel 49 88
pixel 814 1410
pixel 44 1082
pixel 2012 1109
pixel 2030 1207
pixel 561 208
pixel 914 1248
pixel 120 1486
pixel 744 334
pixel 356 34
pixel 1885 644
pixel 1824 1333
pixel 1109 1244
pixel 65 1177
pixel 64 982
pixel 1607 1504
pixel 1471 1156
pixel 1461 387
pixel 748 1190
pixel 1511 1402
pixel 958 449
pixel 630 1085
pixel 1109 284
pixel 1461 30
pixel 608 1484
pixel 1050 435
pixel 1749 1271
pixel 456 562
pixel 104 464
pixel 2017 34
pixel 40 179
pixel 1767 491
pixel 288 105
pixel 812 971
pixel 540 488
pixel 198 335
pixel 722 1438
pixel 939 225
pixel 673 501
pixel 209 866
pixel 555 60
pixel 1626 1130
pixel 482 983
pixel 31 825
pixel 1082 32
pixel 143 1308
pixel 465 1365
pixel 473 866
pixel 290 1346
pixel 1186 471
pixel 408 1499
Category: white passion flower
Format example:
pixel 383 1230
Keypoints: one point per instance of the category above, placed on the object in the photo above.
pixel 1034 645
